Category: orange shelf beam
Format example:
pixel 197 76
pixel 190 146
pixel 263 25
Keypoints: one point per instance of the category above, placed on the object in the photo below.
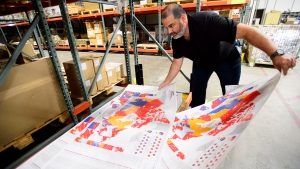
pixel 81 107
pixel 112 49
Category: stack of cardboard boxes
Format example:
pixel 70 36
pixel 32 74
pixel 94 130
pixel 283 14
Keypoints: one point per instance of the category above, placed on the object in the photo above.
pixel 95 32
pixel 109 74
pixel 119 37
pixel 30 96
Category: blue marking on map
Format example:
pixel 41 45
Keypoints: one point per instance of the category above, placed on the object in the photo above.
pixel 127 106
pixel 93 125
pixel 139 102
pixel 226 106
pixel 136 94
pixel 87 120
pixel 202 108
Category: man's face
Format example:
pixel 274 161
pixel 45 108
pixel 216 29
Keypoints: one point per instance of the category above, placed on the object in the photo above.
pixel 176 27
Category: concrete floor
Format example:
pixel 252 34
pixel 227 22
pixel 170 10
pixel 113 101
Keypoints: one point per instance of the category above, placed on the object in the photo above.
pixel 271 141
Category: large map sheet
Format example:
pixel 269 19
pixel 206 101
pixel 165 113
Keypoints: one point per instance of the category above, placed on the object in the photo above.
pixel 140 129
pixel 202 136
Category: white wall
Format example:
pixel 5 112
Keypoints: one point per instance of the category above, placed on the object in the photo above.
pixel 279 5
pixel 296 6
pixel 262 4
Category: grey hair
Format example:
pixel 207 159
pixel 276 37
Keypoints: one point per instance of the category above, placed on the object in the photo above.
pixel 173 9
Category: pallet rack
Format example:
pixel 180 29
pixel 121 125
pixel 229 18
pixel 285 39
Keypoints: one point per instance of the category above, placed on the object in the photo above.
pixel 39 21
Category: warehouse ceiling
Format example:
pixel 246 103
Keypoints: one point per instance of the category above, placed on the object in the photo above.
pixel 8 7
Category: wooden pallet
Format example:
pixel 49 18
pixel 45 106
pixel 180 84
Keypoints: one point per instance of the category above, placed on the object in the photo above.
pixel 26 139
pixel 145 5
pixel 75 14
pixel 107 90
pixel 179 2
pixel 109 9
pixel 64 45
pixel 117 46
pixel 82 45
pixel 90 11
pixel 97 46
pixel 147 46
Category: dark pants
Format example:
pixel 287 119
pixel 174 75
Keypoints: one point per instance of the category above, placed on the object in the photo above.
pixel 229 73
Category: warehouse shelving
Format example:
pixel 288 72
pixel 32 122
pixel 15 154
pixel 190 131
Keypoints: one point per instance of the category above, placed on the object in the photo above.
pixel 73 111
pixel 211 5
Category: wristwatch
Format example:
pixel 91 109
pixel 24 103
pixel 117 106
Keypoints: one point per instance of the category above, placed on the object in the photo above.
pixel 278 52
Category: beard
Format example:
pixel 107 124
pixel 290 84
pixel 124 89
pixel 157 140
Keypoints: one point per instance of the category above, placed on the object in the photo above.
pixel 182 29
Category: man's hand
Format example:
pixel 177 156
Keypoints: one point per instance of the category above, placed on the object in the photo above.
pixel 163 84
pixel 284 62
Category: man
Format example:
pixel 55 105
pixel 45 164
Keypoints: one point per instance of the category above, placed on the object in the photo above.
pixel 209 41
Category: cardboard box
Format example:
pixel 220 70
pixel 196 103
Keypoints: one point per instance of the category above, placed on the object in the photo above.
pixel 117 40
pixel 97 42
pixel 100 36
pixel 98 27
pixel 111 75
pixel 28 49
pixel 88 6
pixel 52 11
pixel 86 66
pixel 145 2
pixel 289 20
pixel 102 81
pixel 128 27
pixel 238 1
pixel 30 96
pixel 225 13
pixel 272 18
pixel 96 61
pixel 91 33
pixel 88 84
pixel 89 25
pixel 119 68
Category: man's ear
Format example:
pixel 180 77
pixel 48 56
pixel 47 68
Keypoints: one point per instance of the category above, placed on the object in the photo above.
pixel 183 18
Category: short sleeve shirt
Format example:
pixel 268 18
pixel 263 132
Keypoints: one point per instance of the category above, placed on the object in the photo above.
pixel 211 39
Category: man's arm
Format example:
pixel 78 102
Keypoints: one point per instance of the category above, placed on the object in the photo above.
pixel 174 69
pixel 259 40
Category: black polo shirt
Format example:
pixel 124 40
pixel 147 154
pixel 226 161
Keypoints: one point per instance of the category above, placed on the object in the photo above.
pixel 211 39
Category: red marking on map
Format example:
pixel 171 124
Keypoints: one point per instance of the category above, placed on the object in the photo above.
pixel 205 117
pixel 86 134
pixel 236 113
pixel 79 128
pixel 188 135
pixel 150 112
pixel 172 146
pixel 118 149
pixel 107 146
pixel 123 100
pixel 215 104
pixel 175 136
pixel 240 106
pixel 120 113
pixel 247 117
pixel 180 155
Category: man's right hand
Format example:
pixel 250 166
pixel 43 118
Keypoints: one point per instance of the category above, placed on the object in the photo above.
pixel 163 84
